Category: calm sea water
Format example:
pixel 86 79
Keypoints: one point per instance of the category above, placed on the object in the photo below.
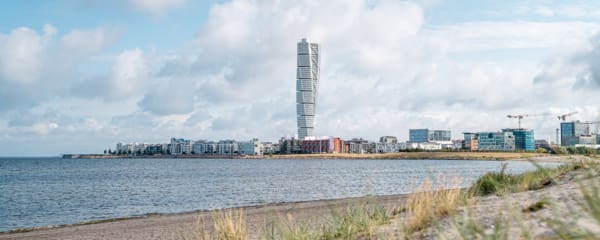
pixel 52 191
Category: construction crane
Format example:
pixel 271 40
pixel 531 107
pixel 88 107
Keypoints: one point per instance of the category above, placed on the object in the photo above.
pixel 521 116
pixel 563 117
pixel 587 126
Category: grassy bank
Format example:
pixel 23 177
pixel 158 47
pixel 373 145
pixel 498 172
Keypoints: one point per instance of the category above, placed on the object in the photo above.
pixel 422 210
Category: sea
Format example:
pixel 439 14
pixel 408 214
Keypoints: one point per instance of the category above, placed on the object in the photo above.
pixel 38 192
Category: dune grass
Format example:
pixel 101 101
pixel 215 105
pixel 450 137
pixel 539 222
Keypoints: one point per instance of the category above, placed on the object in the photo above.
pixel 423 209
pixel 502 183
pixel 227 225
pixel 350 222
pixel 430 203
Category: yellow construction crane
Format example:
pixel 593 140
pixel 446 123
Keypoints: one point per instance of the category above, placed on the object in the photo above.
pixel 521 116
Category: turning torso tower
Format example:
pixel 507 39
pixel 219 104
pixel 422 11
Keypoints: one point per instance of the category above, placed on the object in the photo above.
pixel 307 84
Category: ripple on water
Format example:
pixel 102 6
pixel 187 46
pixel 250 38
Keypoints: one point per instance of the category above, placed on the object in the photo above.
pixel 40 192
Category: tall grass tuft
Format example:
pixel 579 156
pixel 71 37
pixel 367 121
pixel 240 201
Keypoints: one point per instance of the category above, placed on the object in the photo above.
pixel 350 222
pixel 429 203
pixel 230 226
pixel 502 183
pixel 227 225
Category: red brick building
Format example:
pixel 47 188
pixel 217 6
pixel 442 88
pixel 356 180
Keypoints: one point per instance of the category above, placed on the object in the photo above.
pixel 324 145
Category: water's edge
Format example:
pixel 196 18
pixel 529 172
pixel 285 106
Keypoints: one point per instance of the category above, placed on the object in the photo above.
pixel 148 215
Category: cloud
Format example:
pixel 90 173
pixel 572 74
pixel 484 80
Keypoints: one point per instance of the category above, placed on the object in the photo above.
pixel 579 70
pixel 84 42
pixel 21 55
pixel 169 96
pixel 128 73
pixel 157 8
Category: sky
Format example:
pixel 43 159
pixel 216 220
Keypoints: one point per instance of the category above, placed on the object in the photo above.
pixel 80 76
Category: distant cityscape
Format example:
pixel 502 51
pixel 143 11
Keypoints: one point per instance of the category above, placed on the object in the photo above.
pixel 573 133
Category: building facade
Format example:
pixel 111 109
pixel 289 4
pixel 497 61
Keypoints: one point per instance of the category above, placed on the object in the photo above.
pixel 428 135
pixel 307 85
pixel 289 146
pixel 570 132
pixel 361 146
pixel 471 141
pixel 524 139
pixel 388 139
pixel 496 141
pixel 385 147
pixel 227 147
pixel 252 147
pixel 323 145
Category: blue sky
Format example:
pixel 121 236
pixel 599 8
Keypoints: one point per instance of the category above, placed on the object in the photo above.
pixel 79 76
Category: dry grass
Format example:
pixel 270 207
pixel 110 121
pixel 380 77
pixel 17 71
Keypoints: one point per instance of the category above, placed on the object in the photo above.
pixel 430 202
pixel 349 222
pixel 228 225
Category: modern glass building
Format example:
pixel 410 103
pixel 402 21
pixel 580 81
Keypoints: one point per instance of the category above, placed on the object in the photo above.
pixel 570 132
pixel 418 135
pixel 496 141
pixel 524 139
pixel 307 84
pixel 427 135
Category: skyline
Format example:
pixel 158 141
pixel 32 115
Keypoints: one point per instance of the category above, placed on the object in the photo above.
pixel 78 76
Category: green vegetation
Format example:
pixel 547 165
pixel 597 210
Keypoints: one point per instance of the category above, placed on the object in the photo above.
pixel 576 150
pixel 349 223
pixel 501 182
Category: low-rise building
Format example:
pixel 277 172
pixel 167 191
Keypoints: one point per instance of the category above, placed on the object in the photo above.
pixel 428 146
pixel 323 145
pixel 252 147
pixel 204 147
pixel 496 141
pixel 383 147
pixel 524 138
pixel 471 141
pixel 289 146
pixel 429 135
pixel 361 146
pixel 227 147
pixel 388 139
pixel 153 149
pixel 269 148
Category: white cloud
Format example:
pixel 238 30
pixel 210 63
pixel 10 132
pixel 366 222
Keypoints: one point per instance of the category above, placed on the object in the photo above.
pixel 21 55
pixel 85 42
pixel 128 74
pixel 156 7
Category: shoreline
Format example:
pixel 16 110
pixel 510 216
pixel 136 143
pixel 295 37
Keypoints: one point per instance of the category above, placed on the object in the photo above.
pixel 166 225
pixel 433 155
pixel 199 211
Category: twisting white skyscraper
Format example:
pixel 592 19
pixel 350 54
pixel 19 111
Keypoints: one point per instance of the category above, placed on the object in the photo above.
pixel 307 84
